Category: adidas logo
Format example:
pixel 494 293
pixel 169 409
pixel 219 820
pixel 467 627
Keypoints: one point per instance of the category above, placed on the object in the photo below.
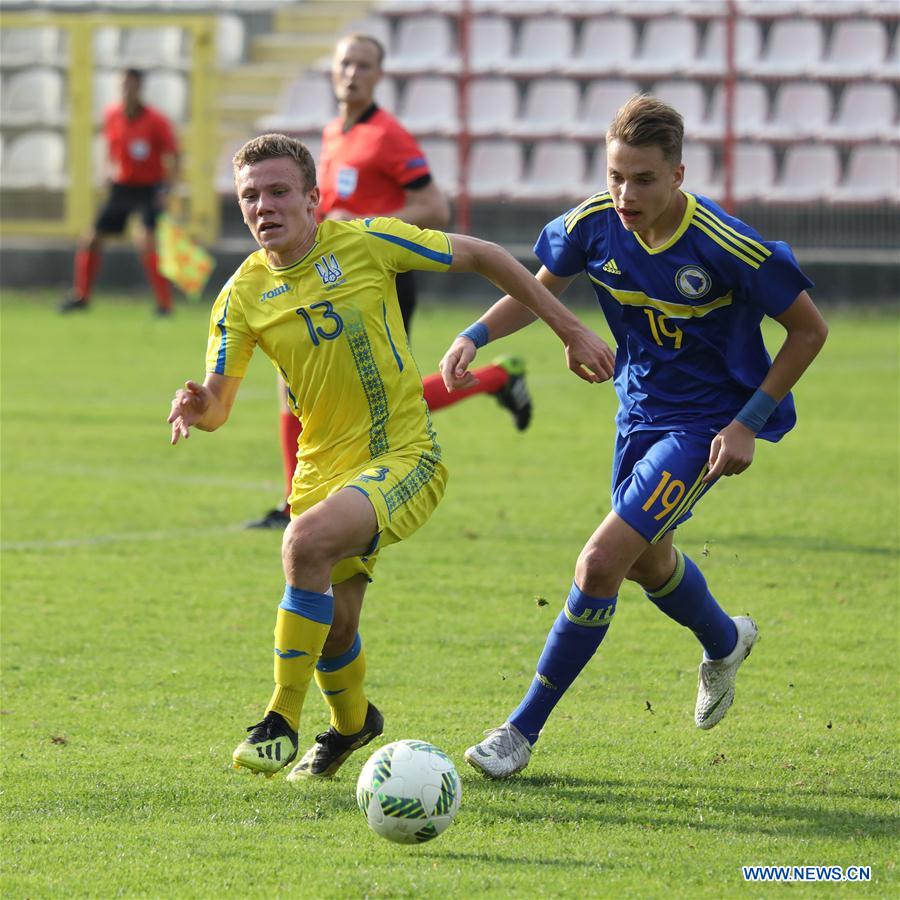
pixel 611 267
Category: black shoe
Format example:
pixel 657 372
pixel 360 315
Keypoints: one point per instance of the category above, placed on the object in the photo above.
pixel 271 746
pixel 73 303
pixel 514 395
pixel 162 313
pixel 331 748
pixel 275 519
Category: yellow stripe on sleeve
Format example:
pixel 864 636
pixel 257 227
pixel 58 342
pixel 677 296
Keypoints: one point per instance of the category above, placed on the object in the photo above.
pixel 741 241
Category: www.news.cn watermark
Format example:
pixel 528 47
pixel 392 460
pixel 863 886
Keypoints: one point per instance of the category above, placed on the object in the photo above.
pixel 806 873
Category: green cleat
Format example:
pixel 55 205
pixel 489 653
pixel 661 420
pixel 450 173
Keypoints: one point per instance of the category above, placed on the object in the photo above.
pixel 331 748
pixel 271 746
pixel 514 395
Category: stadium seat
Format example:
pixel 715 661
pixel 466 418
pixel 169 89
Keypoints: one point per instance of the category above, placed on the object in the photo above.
pixel 809 172
pixel 148 47
pixel 386 94
pixel 601 102
pixel 443 161
pixel 890 71
pixel 107 89
pixel 424 43
pixel 30 46
pixel 495 168
pixel 99 160
pixel 550 107
pixel 32 97
pixel 751 111
pixel 378 27
pixel 668 46
pixel 306 104
pixel 490 44
pixel 794 47
pixel 754 171
pixel 106 41
pixel 689 98
pixel 596 176
pixel 711 62
pixel 872 175
pixel 230 40
pixel 555 171
pixel 605 46
pixel 865 111
pixel 493 105
pixel 429 105
pixel 699 177
pixel 545 45
pixel 857 48
pixel 35 159
pixel 801 109
pixel 168 92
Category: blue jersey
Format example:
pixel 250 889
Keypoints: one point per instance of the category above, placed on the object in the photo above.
pixel 685 316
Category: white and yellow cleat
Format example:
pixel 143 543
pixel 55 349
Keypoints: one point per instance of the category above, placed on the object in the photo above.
pixel 715 688
pixel 270 746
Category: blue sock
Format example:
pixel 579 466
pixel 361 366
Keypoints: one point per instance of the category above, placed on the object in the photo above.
pixel 686 599
pixel 573 640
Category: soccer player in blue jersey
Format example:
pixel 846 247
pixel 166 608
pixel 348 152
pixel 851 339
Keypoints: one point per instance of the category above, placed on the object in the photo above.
pixel 320 300
pixel 684 288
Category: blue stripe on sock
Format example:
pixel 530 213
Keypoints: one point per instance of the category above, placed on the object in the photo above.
pixel 309 604
pixel 333 663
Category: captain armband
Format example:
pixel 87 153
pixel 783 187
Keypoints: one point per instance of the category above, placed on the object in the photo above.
pixel 756 411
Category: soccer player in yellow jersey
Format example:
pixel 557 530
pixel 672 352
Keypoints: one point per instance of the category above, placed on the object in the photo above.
pixel 320 301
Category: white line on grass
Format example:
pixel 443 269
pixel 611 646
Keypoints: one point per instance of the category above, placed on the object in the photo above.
pixel 135 536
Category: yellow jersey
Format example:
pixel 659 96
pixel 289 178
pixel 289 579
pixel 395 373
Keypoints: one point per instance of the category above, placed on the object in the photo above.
pixel 332 327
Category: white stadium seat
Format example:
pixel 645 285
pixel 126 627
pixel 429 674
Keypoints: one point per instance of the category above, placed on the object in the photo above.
pixel 31 45
pixel 801 109
pixel 556 171
pixel 495 168
pixel 490 43
pixel 35 159
pixel 147 47
pixel 754 171
pixel 545 44
pixel 386 94
pixel 168 92
pixel 600 105
pixel 794 47
pixel 107 89
pixel 699 177
pixel 493 105
pixel 605 46
pixel 810 172
pixel 668 46
pixel 689 98
pixel 891 68
pixel 230 40
pixel 429 105
pixel 596 180
pixel 751 111
pixel 424 43
pixel 306 103
pixel 378 27
pixel 443 161
pixel 872 175
pixel 865 111
pixel 550 107
pixel 33 97
pixel 857 48
pixel 711 60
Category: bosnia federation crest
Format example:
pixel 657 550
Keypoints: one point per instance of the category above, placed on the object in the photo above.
pixel 692 282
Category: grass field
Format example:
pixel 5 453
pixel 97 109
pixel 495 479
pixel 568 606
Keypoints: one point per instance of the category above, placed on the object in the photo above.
pixel 137 617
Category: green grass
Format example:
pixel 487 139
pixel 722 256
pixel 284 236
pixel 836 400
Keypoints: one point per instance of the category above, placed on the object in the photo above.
pixel 137 616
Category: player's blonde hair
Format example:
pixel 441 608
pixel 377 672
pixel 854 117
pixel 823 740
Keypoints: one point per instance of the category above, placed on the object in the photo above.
pixel 648 121
pixel 276 146
pixel 355 37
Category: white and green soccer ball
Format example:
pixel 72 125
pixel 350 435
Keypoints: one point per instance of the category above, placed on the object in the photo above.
pixel 409 791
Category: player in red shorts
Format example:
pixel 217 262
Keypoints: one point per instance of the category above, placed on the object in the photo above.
pixel 370 165
pixel 143 158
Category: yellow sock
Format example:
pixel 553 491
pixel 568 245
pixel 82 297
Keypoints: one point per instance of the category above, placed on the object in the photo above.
pixel 303 623
pixel 340 679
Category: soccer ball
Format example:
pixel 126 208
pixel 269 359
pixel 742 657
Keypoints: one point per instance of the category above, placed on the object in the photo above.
pixel 409 791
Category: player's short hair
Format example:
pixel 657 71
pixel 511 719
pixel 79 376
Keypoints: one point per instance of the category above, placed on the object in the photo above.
pixel 276 146
pixel 136 74
pixel 648 121
pixel 362 36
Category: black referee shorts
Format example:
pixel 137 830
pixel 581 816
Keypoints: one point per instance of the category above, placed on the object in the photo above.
pixel 124 201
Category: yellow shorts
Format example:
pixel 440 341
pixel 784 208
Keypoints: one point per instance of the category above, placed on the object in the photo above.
pixel 404 489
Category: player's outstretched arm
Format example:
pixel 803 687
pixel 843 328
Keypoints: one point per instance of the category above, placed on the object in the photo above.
pixel 587 355
pixel 205 406
pixel 731 451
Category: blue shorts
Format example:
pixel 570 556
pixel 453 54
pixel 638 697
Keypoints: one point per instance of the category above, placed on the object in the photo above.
pixel 656 479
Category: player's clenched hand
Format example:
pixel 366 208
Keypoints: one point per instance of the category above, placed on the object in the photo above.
pixel 188 407
pixel 589 357
pixel 454 367
pixel 731 451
